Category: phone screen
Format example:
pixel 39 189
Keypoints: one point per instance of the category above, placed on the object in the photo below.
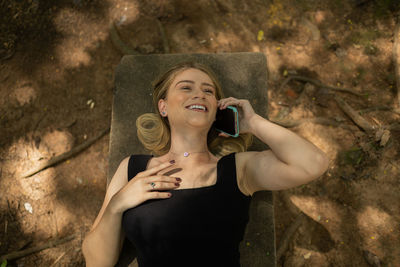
pixel 226 121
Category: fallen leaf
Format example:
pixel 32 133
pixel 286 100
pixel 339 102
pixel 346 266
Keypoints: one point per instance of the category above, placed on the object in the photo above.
pixel 260 35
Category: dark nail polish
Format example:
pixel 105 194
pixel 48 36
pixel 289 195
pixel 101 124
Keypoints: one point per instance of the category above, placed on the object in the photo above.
pixel 172 161
pixel 177 184
pixel 178 179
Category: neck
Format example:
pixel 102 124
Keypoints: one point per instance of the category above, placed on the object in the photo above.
pixel 193 143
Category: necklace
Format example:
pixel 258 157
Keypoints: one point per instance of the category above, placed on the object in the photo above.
pixel 186 154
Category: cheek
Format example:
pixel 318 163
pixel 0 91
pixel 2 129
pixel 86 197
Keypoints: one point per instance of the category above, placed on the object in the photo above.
pixel 177 100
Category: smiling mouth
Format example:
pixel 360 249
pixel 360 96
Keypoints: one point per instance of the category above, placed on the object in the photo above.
pixel 198 110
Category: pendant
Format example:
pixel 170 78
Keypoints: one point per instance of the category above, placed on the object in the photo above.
pixel 185 154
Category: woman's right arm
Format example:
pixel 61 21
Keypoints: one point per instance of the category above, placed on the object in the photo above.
pixel 102 245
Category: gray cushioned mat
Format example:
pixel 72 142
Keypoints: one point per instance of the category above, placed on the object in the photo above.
pixel 242 75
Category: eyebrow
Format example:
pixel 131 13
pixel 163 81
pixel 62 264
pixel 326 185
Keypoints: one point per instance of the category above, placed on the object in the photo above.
pixel 189 81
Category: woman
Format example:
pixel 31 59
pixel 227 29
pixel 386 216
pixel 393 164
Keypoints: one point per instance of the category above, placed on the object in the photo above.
pixel 189 206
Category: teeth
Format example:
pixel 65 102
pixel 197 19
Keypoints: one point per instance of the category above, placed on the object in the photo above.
pixel 197 106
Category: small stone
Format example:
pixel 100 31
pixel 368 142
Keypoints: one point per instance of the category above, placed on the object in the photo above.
pixel 28 207
pixel 371 258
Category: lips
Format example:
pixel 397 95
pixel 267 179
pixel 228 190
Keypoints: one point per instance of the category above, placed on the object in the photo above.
pixel 198 110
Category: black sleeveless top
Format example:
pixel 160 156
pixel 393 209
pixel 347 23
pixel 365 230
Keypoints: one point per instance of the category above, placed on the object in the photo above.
pixel 195 226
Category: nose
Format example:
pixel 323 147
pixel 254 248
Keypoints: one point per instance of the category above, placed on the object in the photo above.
pixel 199 94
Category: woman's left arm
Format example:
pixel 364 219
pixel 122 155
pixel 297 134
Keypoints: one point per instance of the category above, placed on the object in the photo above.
pixel 290 162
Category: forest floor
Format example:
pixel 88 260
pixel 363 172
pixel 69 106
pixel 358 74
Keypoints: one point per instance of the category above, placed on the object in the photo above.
pixel 57 63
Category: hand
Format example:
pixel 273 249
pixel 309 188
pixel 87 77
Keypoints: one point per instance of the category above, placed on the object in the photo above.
pixel 245 110
pixel 146 185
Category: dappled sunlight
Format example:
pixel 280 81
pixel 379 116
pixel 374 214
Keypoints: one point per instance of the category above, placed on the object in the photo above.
pixel 377 229
pixel 81 35
pixel 328 139
pixel 224 40
pixel 374 222
pixel 123 12
pixel 29 153
pixel 40 185
pixel 322 210
pixel 23 94
pixel 255 48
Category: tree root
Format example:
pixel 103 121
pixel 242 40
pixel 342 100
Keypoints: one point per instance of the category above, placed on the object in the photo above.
pixel 319 84
pixel 26 252
pixel 119 44
pixel 288 234
pixel 60 158
pixel 163 37
pixel 358 120
pixel 379 108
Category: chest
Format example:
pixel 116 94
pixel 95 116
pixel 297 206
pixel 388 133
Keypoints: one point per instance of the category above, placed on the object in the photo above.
pixel 192 176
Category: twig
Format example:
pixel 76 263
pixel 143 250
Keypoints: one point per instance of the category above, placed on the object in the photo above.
pixel 66 155
pixel 360 121
pixel 119 44
pixel 394 126
pixel 378 108
pixel 396 57
pixel 287 235
pixel 60 257
pixel 26 252
pixel 164 37
pixel 319 84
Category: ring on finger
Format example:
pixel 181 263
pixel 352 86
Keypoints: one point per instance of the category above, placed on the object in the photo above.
pixel 153 185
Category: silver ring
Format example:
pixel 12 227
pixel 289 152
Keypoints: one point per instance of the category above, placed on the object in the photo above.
pixel 153 185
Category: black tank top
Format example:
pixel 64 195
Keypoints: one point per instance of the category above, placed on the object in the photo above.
pixel 195 227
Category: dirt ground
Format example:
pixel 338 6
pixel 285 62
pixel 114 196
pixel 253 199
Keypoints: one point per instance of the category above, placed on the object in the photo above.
pixel 57 63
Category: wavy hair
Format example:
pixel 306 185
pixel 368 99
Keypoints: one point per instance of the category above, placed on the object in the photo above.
pixel 154 131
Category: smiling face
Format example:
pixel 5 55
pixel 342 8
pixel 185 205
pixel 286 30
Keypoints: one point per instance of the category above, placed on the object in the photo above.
pixel 191 99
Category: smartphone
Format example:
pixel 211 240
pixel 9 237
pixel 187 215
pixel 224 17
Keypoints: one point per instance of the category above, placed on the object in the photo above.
pixel 227 121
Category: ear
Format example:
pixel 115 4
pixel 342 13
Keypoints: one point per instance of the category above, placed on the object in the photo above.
pixel 162 107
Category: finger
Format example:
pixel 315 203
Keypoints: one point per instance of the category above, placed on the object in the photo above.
pixel 163 178
pixel 156 194
pixel 156 169
pixel 161 186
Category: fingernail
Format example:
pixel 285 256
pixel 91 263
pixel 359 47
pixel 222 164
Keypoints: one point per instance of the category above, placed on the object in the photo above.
pixel 172 161
pixel 177 184
pixel 169 194
pixel 178 179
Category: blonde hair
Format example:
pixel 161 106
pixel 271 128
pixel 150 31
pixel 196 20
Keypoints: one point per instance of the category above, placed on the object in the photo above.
pixel 154 132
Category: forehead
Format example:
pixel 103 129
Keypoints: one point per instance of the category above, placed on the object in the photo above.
pixel 193 75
